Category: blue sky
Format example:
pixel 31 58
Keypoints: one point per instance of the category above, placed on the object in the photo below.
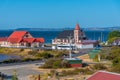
pixel 59 13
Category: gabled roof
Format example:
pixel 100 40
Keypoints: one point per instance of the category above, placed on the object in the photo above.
pixel 104 75
pixel 89 41
pixel 3 39
pixel 16 36
pixel 14 40
pixel 65 34
pixel 28 40
pixel 39 40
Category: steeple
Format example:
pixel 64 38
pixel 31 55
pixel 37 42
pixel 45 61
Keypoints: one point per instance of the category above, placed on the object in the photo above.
pixel 77 27
pixel 76 33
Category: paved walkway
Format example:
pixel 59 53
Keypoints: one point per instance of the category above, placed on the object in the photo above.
pixel 22 70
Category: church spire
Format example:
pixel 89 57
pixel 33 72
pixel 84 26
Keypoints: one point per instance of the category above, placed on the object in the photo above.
pixel 77 27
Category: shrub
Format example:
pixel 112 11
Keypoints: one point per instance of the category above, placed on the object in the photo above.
pixel 116 68
pixel 45 55
pixel 48 63
pixel 75 72
pixel 57 64
pixel 21 50
pixel 34 52
pixel 11 61
pixel 54 63
pixel 99 67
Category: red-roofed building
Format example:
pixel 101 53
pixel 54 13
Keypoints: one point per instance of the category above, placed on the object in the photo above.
pixel 104 75
pixel 3 41
pixel 21 39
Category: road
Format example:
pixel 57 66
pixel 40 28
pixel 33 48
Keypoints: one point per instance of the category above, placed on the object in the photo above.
pixel 22 69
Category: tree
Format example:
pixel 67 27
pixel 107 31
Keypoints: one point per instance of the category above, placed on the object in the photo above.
pixel 114 56
pixel 113 34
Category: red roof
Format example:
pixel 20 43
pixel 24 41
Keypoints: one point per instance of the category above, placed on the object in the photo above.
pixel 16 36
pixel 103 75
pixel 3 39
pixel 29 40
pixel 39 40
pixel 77 27
pixel 14 40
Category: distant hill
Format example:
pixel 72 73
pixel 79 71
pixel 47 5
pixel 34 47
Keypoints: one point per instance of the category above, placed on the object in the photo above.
pixel 103 29
pixel 44 29
pixel 61 29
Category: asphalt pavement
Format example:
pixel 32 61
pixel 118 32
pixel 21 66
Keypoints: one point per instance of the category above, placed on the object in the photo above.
pixel 22 69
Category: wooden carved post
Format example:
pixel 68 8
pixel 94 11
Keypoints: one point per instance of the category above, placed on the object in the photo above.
pixel 39 77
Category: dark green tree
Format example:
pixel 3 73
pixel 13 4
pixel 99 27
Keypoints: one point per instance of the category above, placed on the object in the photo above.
pixel 113 34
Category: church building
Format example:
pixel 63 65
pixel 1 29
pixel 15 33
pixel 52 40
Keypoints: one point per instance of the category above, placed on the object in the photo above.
pixel 75 38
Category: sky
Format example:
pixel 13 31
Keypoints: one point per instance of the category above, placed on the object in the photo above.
pixel 59 13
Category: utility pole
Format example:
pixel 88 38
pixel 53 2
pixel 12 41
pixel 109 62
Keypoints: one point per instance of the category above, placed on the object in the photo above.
pixel 99 57
pixel 70 55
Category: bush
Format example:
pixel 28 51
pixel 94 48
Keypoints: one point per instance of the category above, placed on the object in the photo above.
pixel 116 68
pixel 99 67
pixel 57 64
pixel 21 50
pixel 11 61
pixel 45 55
pixel 34 52
pixel 54 63
pixel 69 72
pixel 75 72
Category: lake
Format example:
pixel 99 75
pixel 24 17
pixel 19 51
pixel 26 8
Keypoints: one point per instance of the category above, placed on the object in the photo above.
pixel 6 57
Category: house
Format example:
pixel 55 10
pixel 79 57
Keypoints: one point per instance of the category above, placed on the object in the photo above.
pixel 104 75
pixel 21 39
pixel 75 38
pixel 116 42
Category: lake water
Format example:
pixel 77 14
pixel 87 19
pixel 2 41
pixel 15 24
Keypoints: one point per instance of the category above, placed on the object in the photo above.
pixel 6 57
pixel 49 35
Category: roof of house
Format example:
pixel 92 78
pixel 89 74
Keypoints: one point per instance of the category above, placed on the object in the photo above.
pixel 14 40
pixel 117 40
pixel 89 41
pixel 16 36
pixel 104 75
pixel 28 40
pixel 65 34
pixel 39 40
pixel 3 39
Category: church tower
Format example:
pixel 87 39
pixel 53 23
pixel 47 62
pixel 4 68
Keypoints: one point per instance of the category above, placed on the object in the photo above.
pixel 77 33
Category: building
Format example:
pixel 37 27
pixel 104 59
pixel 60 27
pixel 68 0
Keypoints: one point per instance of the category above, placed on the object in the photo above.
pixel 116 42
pixel 21 39
pixel 74 62
pixel 75 38
pixel 104 75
